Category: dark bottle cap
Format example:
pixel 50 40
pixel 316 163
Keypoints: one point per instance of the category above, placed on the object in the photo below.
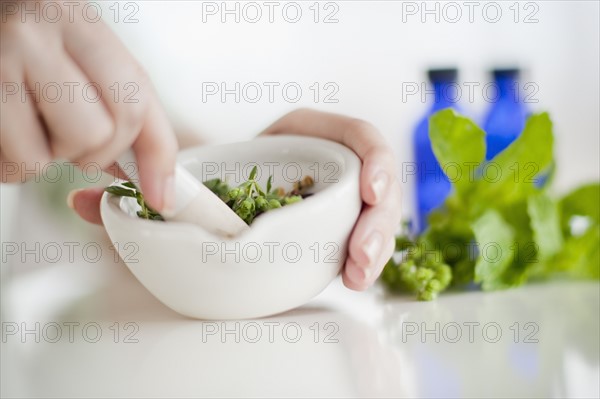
pixel 506 72
pixel 443 75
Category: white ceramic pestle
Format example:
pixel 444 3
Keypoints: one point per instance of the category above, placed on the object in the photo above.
pixel 194 202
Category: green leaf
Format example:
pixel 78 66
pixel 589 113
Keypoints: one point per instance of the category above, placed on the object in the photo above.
pixel 248 200
pixel 525 249
pixel 520 231
pixel 459 146
pixel 259 190
pixel 128 189
pixel 495 239
pixel 510 175
pixel 253 173
pixel 580 257
pixel 584 201
pixel 130 185
pixel 545 224
pixel 219 187
pixel 120 191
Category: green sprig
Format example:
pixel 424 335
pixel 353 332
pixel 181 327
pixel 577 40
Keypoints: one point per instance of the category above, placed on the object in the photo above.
pixel 129 189
pixel 248 200
pixel 530 231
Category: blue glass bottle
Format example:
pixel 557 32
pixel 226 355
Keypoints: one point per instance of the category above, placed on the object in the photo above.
pixel 432 185
pixel 506 117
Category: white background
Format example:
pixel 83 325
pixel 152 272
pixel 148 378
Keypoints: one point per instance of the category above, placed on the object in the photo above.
pixel 374 50
pixel 371 54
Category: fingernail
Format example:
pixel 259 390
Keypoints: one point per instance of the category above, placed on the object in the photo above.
pixel 169 195
pixel 379 185
pixel 372 246
pixel 359 274
pixel 71 198
pixel 367 273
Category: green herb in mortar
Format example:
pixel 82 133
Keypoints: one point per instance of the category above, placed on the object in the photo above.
pixel 129 189
pixel 248 200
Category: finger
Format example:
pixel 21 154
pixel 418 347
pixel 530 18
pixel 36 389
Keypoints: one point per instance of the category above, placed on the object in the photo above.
pixel 373 229
pixel 377 175
pixel 358 278
pixel 11 173
pixel 77 121
pixel 22 137
pixel 378 169
pixel 124 84
pixel 142 125
pixel 115 170
pixel 156 150
pixel 349 131
pixel 86 202
pixel 188 138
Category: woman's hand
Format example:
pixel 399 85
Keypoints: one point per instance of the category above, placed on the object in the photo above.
pixel 71 90
pixel 372 242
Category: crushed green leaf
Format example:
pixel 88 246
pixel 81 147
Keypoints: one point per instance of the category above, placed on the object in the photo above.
pixel 248 200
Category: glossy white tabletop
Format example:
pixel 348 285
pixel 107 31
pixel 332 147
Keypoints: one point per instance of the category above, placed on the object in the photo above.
pixel 541 340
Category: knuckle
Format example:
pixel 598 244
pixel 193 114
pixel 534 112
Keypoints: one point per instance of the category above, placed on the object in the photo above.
pixel 381 156
pixel 361 127
pixel 300 111
pixel 165 149
pixel 134 103
pixel 132 116
pixel 101 133
pixel 385 156
pixel 17 36
pixel 140 77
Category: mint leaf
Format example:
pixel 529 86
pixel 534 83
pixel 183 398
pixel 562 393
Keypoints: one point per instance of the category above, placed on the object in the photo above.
pixel 504 212
pixel 545 224
pixel 525 249
pixel 512 172
pixel 495 240
pixel 458 145
pixel 584 201
pixel 580 257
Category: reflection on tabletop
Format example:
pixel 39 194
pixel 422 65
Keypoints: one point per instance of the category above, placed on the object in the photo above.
pixel 538 340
